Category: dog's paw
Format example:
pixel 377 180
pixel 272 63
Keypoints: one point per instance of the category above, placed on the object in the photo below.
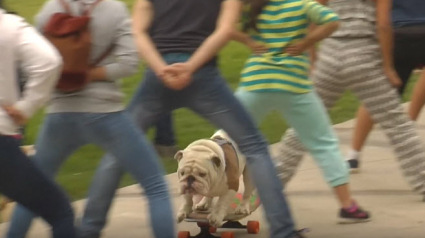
pixel 183 213
pixel 181 216
pixel 202 206
pixel 243 209
pixel 215 219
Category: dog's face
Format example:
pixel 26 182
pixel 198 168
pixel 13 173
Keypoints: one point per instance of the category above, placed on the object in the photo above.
pixel 199 169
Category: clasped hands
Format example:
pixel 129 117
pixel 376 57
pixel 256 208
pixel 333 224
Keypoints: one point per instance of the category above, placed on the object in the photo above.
pixel 176 76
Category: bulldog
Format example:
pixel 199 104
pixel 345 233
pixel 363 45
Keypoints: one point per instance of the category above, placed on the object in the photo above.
pixel 212 168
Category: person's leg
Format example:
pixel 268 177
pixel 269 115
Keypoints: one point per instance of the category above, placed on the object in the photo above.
pixel 257 107
pixel 418 98
pixel 102 190
pixel 362 128
pixel 145 108
pixel 211 98
pixel 164 130
pixel 369 83
pixel 165 143
pixel 308 116
pixel 117 134
pixel 329 87
pixel 364 125
pixel 405 61
pixel 58 138
pixel 23 182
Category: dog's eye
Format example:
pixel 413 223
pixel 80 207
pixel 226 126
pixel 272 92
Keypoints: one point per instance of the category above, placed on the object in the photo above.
pixel 182 173
pixel 202 174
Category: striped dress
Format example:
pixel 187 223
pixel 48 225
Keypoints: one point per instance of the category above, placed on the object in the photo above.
pixel 283 22
pixel 351 60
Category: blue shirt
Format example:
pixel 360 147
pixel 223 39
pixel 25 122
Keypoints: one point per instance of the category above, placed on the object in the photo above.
pixel 408 12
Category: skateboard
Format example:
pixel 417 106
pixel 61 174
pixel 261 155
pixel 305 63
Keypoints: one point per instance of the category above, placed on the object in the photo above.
pixel 231 221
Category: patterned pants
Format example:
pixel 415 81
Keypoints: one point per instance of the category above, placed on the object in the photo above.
pixel 356 65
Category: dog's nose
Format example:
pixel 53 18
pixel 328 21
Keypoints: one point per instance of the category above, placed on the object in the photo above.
pixel 190 180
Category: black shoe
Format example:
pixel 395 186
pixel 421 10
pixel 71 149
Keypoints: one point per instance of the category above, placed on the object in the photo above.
pixel 354 214
pixel 354 166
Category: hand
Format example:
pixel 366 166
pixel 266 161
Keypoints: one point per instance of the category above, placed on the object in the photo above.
pixel 297 48
pixel 97 74
pixel 393 78
pixel 178 76
pixel 257 48
pixel 168 79
pixel 15 114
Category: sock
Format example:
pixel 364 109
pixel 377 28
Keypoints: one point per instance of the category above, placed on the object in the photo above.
pixel 353 154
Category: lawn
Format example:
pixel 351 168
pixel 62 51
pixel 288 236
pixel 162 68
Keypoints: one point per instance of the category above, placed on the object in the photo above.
pixel 75 175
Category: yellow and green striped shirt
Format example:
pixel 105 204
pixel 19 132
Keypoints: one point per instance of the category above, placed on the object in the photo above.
pixel 283 22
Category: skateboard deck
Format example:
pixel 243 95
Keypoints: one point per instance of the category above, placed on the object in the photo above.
pixel 231 221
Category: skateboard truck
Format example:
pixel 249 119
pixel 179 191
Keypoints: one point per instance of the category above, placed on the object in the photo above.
pixel 206 231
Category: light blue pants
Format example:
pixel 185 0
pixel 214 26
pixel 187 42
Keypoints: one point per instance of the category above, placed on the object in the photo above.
pixel 308 116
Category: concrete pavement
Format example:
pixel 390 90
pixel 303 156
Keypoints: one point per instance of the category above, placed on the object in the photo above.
pixel 397 211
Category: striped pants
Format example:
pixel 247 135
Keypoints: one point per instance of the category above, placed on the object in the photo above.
pixel 356 65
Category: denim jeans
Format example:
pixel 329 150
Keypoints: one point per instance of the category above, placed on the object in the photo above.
pixel 63 133
pixel 208 96
pixel 23 182
pixel 164 130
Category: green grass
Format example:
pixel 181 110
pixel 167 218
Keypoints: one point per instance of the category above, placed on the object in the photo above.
pixel 76 174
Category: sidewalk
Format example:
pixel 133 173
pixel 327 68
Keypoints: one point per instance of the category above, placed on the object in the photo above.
pixel 397 212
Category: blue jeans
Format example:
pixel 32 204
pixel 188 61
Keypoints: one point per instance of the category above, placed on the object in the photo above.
pixel 63 133
pixel 164 130
pixel 208 96
pixel 23 182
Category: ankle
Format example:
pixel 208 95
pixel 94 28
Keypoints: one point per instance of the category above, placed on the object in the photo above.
pixel 352 206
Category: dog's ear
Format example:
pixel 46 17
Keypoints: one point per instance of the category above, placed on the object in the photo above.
pixel 179 155
pixel 216 161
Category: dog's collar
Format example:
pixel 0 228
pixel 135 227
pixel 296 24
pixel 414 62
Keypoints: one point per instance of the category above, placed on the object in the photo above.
pixel 222 141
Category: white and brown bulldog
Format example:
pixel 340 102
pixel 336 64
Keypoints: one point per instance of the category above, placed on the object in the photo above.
pixel 212 168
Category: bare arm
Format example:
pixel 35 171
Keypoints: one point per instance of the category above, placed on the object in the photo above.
pixel 229 17
pixel 142 19
pixel 385 37
pixel 385 31
pixel 313 49
pixel 240 37
pixel 319 33
pixel 323 23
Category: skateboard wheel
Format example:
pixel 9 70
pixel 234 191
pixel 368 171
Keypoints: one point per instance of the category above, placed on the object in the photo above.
pixel 253 227
pixel 213 229
pixel 184 234
pixel 227 235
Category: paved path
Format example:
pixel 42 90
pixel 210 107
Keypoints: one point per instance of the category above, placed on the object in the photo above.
pixel 397 212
